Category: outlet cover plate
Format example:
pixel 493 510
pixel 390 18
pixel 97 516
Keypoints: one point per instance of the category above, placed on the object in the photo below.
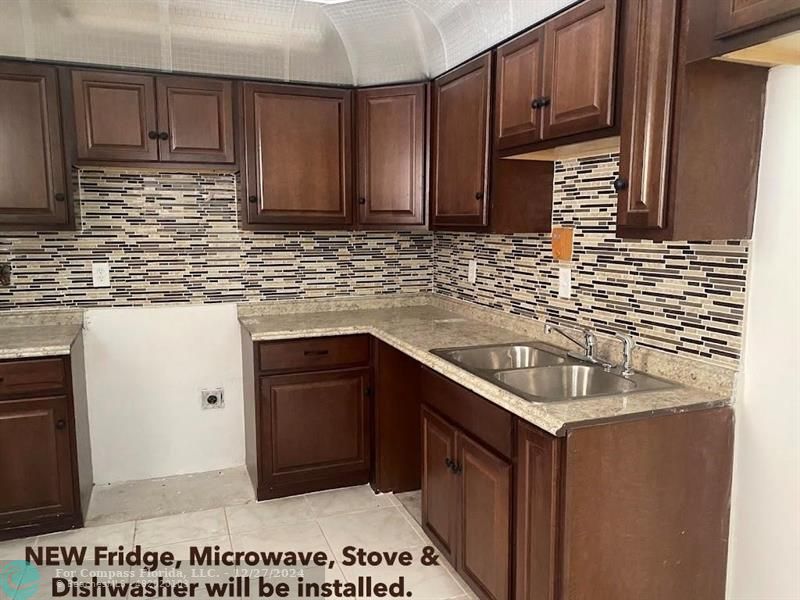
pixel 564 282
pixel 472 271
pixel 212 398
pixel 101 275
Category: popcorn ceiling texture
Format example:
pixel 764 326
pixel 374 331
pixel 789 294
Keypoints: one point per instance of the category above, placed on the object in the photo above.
pixel 175 238
pixel 681 297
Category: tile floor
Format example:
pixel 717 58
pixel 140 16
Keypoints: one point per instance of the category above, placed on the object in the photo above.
pixel 139 513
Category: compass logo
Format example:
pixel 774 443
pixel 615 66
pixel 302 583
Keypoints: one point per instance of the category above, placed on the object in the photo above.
pixel 18 580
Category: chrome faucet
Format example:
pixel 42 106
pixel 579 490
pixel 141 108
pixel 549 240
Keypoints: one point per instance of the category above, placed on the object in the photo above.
pixel 628 344
pixel 588 345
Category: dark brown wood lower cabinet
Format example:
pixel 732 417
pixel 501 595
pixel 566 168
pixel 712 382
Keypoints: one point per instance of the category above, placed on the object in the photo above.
pixel 466 505
pixel 315 431
pixel 36 473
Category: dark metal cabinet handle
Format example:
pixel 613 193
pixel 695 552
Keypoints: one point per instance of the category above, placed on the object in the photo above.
pixel 478 195
pixel 253 199
pixel 457 468
pixel 362 200
pixel 448 463
pixel 536 103
pixel 163 136
pixel 61 424
pixel 620 184
pixel 544 101
pixel 153 135
pixel 60 197
pixel 315 352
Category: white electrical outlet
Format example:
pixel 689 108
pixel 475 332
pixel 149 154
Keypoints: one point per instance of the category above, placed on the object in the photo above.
pixel 472 271
pixel 213 398
pixel 564 282
pixel 101 275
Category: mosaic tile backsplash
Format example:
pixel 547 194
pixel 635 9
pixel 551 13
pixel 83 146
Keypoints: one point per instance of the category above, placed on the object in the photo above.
pixel 682 297
pixel 175 237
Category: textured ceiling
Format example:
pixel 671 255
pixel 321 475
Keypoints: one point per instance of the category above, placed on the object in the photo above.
pixel 360 42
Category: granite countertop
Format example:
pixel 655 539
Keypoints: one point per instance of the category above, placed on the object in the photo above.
pixel 40 333
pixel 415 330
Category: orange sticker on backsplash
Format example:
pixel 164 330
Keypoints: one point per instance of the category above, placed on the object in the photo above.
pixel 562 243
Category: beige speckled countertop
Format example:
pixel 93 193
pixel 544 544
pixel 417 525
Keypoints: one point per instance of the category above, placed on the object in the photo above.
pixel 39 333
pixel 423 326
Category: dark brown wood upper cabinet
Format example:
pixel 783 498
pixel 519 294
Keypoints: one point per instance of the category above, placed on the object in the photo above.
pixel 461 108
pixel 736 16
pixel 519 89
pixel 690 133
pixel 33 190
pixel 115 116
pixel 196 114
pixel 391 155
pixel 298 156
pixel 141 118
pixel 579 69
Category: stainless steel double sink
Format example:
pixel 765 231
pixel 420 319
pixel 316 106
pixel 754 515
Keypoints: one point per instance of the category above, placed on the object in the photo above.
pixel 542 373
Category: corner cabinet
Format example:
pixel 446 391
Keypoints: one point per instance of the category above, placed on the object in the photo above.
pixel 391 130
pixel 298 145
pixel 34 193
pixel 141 118
pixel 690 136
pixel 460 145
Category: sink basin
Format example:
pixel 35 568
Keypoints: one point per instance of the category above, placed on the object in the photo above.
pixel 496 358
pixel 566 382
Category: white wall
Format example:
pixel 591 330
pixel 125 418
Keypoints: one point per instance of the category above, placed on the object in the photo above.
pixel 145 370
pixel 764 561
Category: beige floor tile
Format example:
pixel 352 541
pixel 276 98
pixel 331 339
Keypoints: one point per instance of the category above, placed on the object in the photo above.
pixel 346 500
pixel 304 537
pixel 424 582
pixel 180 550
pixel 15 549
pixel 381 529
pixel 180 528
pixel 412 502
pixel 112 536
pixel 151 498
pixel 272 513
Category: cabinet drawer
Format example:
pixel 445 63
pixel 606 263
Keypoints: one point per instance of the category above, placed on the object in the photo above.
pixel 478 416
pixel 314 353
pixel 33 376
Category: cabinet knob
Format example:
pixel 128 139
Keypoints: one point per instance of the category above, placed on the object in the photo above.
pixel 478 195
pixel 252 199
pixel 60 197
pixel 163 136
pixel 61 424
pixel 448 463
pixel 152 135
pixel 536 103
pixel 544 101
pixel 362 200
pixel 620 184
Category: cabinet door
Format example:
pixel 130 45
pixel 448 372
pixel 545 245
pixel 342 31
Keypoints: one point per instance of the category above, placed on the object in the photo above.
pixel 298 146
pixel 537 513
pixel 32 180
pixel 485 538
pixel 650 54
pixel 519 90
pixel 735 16
pixel 579 69
pixel 391 155
pixel 460 145
pixel 195 119
pixel 36 478
pixel 439 490
pixel 314 430
pixel 115 116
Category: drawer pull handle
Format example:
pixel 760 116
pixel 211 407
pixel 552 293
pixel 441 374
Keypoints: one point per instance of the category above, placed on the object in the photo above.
pixel 61 424
pixel 315 352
